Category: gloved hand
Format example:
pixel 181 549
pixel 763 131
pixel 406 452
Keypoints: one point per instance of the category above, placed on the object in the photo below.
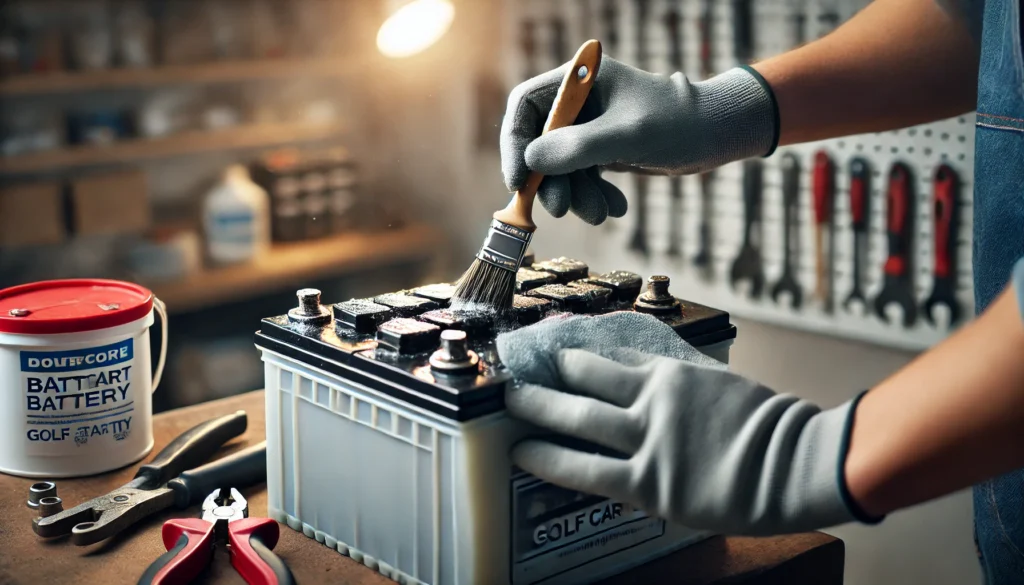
pixel 699 445
pixel 635 121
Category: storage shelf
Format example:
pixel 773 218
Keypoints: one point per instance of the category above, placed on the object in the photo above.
pixel 294 263
pixel 186 143
pixel 217 72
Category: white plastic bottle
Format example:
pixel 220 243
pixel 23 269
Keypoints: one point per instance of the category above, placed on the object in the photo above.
pixel 236 215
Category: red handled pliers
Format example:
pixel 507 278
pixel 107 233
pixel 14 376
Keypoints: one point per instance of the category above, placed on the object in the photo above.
pixel 190 543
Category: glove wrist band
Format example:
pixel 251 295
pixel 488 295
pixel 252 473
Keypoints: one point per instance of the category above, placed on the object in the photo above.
pixel 776 129
pixel 856 511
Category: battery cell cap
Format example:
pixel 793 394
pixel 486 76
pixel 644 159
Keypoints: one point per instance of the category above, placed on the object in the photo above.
pixel 476 324
pixel 625 285
pixel 361 315
pixel 440 293
pixel 527 279
pixel 408 336
pixel 565 269
pixel 71 306
pixel 529 310
pixel 579 297
pixel 405 305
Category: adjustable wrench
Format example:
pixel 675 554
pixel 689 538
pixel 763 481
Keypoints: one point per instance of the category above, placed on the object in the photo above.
pixel 898 287
pixel 947 224
pixel 859 190
pixel 747 265
pixel 791 217
pixel 743 30
pixel 674 22
pixel 707 180
pixel 638 242
pixel 824 194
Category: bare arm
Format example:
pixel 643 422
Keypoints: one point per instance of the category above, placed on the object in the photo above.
pixel 953 417
pixel 897 63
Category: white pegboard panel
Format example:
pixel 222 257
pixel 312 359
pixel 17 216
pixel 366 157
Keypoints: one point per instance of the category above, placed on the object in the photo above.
pixel 922 148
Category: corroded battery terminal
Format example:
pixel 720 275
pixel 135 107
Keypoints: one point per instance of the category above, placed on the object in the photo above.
pixel 309 311
pixel 657 299
pixel 454 357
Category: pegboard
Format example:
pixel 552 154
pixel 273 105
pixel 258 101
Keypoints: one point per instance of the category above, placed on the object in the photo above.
pixel 559 27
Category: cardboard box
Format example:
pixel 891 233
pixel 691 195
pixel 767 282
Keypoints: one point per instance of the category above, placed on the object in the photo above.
pixel 32 214
pixel 110 203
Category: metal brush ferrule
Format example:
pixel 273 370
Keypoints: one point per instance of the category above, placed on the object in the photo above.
pixel 505 246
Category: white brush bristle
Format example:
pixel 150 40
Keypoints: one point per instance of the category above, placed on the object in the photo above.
pixel 485 287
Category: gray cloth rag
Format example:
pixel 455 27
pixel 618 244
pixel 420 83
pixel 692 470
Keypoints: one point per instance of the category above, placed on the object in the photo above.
pixel 530 352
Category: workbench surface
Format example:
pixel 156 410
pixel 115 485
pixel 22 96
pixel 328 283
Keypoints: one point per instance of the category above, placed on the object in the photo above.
pixel 27 560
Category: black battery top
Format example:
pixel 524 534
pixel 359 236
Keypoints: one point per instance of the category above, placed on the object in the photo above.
pixel 399 343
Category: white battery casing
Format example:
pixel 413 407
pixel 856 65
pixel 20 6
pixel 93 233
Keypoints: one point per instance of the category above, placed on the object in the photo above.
pixel 425 499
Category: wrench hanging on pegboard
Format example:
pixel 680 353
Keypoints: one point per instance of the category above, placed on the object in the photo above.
pixel 693 225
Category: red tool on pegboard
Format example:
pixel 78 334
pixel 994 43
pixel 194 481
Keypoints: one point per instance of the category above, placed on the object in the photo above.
pixel 190 543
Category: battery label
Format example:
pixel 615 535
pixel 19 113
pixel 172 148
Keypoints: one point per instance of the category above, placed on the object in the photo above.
pixel 555 530
pixel 77 400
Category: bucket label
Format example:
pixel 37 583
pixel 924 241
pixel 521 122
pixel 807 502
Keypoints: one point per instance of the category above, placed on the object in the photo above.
pixel 77 399
pixel 555 530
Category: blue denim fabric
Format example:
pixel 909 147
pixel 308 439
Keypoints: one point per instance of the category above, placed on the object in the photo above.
pixel 998 244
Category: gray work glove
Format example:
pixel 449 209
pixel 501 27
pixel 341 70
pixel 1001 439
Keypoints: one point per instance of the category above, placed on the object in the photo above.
pixel 699 445
pixel 632 121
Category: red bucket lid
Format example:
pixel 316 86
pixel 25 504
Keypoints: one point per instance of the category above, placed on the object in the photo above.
pixel 70 306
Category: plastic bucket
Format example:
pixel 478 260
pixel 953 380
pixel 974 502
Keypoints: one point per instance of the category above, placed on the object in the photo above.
pixel 75 376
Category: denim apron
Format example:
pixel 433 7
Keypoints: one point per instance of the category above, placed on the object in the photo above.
pixel 998 243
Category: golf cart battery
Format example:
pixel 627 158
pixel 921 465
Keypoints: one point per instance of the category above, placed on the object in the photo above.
pixel 388 441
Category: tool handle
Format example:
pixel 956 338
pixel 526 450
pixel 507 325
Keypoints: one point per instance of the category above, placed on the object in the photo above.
pixel 743 29
pixel 567 105
pixel 859 182
pixel 242 469
pixel 191 448
pixel 707 19
pixel 898 199
pixel 824 187
pixel 751 198
pixel 252 542
pixel 674 22
pixel 790 201
pixel 945 211
pixel 189 544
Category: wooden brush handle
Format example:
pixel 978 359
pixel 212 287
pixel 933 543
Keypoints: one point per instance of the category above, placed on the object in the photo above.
pixel 567 105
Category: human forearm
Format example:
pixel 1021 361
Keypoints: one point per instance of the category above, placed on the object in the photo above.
pixel 953 417
pixel 896 63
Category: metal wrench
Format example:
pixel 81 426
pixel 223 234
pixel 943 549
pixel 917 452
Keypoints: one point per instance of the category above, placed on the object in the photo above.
pixel 747 265
pixel 947 224
pixel 638 242
pixel 707 180
pixel 791 211
pixel 823 190
pixel 898 287
pixel 674 22
pixel 860 176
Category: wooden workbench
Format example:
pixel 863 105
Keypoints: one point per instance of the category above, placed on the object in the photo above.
pixel 27 560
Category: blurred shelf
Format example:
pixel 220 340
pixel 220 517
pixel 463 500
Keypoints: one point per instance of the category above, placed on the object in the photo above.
pixel 216 72
pixel 294 263
pixel 192 142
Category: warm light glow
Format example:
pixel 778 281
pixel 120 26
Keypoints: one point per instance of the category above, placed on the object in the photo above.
pixel 414 27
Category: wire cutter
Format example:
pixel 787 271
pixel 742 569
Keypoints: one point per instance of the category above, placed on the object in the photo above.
pixel 170 479
pixel 190 543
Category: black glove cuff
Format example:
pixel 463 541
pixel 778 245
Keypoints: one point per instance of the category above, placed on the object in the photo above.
pixel 775 107
pixel 855 510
